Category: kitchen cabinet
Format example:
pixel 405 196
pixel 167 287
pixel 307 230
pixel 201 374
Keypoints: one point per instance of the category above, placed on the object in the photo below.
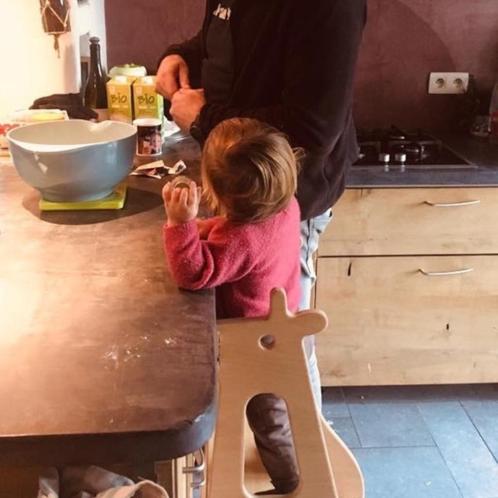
pixel 399 221
pixel 409 280
pixel 181 477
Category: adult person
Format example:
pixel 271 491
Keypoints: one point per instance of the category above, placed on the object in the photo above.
pixel 290 64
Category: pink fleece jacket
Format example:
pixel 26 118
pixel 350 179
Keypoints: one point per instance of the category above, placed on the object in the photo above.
pixel 243 262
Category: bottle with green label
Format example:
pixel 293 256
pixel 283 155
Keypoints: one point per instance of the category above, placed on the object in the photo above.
pixel 95 94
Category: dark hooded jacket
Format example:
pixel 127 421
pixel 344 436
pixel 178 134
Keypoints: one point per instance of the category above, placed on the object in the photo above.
pixel 293 67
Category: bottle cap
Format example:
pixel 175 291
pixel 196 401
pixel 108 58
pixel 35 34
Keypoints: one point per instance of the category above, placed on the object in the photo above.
pixel 94 39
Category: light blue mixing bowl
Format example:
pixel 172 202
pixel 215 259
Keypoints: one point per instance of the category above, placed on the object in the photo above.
pixel 74 160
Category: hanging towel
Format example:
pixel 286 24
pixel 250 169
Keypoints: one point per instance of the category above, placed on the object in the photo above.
pixel 48 483
pixel 94 482
pixel 143 489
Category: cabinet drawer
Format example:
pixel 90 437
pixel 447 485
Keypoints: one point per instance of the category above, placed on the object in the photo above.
pixel 391 324
pixel 413 221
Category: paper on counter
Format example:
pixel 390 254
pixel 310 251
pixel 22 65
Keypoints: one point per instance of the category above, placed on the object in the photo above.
pixel 158 169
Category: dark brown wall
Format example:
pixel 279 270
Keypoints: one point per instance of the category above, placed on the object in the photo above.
pixel 407 39
pixel 139 31
pixel 403 42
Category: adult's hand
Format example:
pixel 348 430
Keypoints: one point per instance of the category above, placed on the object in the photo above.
pixel 186 105
pixel 172 75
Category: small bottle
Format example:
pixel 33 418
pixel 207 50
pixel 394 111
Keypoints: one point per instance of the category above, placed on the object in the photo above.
pixel 95 96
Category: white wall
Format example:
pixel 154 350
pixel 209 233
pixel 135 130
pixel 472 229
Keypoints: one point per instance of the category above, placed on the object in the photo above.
pixel 92 23
pixel 29 66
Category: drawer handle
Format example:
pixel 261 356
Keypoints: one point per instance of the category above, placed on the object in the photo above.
pixel 453 204
pixel 196 468
pixel 445 273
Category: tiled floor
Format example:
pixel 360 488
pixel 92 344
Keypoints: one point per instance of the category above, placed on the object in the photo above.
pixel 420 441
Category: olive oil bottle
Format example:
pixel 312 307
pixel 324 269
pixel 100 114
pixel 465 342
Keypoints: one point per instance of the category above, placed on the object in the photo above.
pixel 95 95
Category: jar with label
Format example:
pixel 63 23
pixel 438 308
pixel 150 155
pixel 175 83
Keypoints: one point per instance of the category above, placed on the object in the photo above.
pixel 149 137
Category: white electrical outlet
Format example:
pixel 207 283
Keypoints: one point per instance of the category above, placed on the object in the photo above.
pixel 448 83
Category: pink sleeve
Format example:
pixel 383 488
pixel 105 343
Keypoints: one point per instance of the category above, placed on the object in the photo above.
pixel 205 226
pixel 200 264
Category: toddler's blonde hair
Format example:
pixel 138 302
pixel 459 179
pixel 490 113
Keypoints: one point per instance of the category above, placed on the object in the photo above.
pixel 249 170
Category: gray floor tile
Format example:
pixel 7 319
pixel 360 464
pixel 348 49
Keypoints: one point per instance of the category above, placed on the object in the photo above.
pixel 469 460
pixel 345 429
pixel 382 425
pixel 403 394
pixel 405 473
pixel 333 403
pixel 484 415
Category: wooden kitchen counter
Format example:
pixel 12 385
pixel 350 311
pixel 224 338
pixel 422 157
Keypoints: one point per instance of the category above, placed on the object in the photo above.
pixel 102 358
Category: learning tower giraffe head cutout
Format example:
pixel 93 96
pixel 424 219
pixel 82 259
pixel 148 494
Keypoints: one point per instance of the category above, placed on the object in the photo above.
pixel 266 355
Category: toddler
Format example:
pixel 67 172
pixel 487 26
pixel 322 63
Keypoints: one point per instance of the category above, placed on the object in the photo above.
pixel 249 177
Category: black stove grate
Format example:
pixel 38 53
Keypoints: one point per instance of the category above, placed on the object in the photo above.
pixel 394 147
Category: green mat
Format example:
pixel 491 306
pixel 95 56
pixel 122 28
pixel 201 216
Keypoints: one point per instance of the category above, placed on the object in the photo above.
pixel 116 200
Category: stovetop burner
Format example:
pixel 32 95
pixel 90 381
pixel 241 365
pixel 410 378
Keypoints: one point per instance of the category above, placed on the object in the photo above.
pixel 400 149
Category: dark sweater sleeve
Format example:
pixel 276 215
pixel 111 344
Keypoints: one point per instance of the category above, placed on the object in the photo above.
pixel 323 47
pixel 191 52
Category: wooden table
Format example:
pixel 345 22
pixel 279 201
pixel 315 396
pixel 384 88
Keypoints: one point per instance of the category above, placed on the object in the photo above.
pixel 102 358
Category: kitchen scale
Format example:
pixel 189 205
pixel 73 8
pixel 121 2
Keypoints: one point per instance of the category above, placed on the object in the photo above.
pixel 116 200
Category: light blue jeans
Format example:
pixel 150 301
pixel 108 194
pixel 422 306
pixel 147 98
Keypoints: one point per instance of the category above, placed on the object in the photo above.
pixel 310 234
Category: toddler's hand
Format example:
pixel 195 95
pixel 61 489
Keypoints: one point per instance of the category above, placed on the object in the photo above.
pixel 181 203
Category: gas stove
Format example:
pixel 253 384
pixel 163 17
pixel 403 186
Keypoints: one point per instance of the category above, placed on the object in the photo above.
pixel 396 149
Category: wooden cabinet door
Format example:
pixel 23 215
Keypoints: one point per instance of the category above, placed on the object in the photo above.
pixel 391 324
pixel 398 221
